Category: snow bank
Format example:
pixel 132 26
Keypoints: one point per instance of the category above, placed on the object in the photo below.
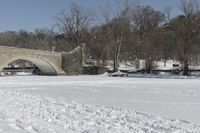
pixel 20 112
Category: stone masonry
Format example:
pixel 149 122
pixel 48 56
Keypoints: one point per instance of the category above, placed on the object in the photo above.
pixel 50 63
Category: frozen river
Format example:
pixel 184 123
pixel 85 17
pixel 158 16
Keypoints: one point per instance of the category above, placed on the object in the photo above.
pixel 174 98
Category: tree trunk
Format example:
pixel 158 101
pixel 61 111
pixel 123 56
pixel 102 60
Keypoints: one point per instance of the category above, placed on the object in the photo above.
pixel 115 66
pixel 148 68
pixel 185 68
pixel 116 58
pixel 185 60
pixel 148 64
pixel 165 62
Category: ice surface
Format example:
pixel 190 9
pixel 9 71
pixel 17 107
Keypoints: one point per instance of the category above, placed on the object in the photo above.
pixel 98 104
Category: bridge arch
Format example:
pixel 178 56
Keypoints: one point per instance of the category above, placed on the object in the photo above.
pixel 46 67
pixel 49 62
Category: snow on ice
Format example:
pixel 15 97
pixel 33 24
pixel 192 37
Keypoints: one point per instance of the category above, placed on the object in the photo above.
pixel 53 104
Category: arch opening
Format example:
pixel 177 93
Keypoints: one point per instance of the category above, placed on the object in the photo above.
pixel 30 65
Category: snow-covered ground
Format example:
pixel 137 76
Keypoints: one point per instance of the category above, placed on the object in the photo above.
pixel 98 104
pixel 168 65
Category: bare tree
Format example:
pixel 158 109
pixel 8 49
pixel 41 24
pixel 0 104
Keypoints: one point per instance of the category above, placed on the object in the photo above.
pixel 116 28
pixel 98 47
pixel 146 20
pixel 186 29
pixel 75 23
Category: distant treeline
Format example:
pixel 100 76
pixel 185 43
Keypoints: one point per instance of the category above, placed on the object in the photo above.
pixel 127 33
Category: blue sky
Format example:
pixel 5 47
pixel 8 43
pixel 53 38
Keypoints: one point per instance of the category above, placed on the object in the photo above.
pixel 31 14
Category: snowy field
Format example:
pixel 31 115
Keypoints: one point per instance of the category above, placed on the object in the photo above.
pixel 98 104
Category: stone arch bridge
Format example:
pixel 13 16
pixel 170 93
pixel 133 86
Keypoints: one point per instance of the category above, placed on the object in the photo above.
pixel 49 63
